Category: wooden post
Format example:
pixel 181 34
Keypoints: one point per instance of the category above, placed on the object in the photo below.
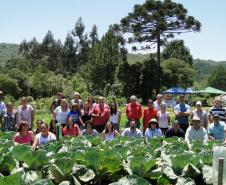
pixel 220 171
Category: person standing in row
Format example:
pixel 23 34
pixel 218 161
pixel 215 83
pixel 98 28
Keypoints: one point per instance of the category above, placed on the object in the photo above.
pixel 182 113
pixel 25 112
pixel 100 115
pixel 133 111
pixel 56 102
pixel 158 102
pixel 202 114
pixel 149 113
pixel 217 109
pixel 9 119
pixel 163 118
pixel 77 99
pixel 115 117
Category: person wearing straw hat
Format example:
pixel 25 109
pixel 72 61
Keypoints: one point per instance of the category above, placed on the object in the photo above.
pixel 153 130
pixel 196 131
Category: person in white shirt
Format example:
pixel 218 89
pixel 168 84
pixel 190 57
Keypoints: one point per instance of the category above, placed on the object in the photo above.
pixel 43 137
pixel 163 118
pixel 158 102
pixel 196 131
pixel 153 130
pixel 61 113
pixel 132 131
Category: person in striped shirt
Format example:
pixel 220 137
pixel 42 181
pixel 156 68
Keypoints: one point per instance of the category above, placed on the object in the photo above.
pixel 217 109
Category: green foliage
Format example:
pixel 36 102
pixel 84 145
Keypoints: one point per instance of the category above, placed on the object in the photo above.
pixel 8 51
pixel 177 73
pixel 177 49
pixel 105 56
pixel 82 160
pixel 217 78
pixel 46 84
pixel 9 85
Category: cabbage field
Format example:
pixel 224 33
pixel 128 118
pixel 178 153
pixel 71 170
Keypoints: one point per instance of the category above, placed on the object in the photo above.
pixel 123 161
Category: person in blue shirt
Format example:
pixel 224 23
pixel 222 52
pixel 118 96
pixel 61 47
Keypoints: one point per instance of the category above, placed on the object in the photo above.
pixel 175 130
pixel 75 114
pixel 217 129
pixel 182 113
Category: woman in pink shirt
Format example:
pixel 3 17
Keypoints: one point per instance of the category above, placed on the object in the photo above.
pixel 70 129
pixel 24 136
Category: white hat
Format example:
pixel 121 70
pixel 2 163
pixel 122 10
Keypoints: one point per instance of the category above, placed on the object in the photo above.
pixel 133 97
pixel 199 103
pixel 76 94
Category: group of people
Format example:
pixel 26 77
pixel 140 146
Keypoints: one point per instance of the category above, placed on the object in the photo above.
pixel 88 117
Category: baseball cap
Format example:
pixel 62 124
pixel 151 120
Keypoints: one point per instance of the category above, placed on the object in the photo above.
pixel 133 97
pixel 215 116
pixel 175 122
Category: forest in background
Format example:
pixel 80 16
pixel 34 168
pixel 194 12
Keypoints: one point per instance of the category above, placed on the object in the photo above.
pixel 22 78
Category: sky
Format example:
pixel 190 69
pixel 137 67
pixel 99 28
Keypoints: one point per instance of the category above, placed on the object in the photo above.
pixel 25 19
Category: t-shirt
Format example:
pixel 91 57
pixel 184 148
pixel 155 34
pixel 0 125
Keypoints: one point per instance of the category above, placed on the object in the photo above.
pixel 148 115
pixel 24 140
pixel 103 111
pixel 193 134
pixel 79 101
pixel 157 105
pixel 94 133
pixel 71 132
pixel 202 115
pixel 9 121
pixel 182 107
pixel 44 140
pixel 24 114
pixel 150 133
pixel 221 111
pixel 61 116
pixel 75 116
pixel 133 111
pixel 163 119
pixel 217 130
pixel 171 133
pixel 2 108
pixel 109 136
pixel 114 118
pixel 130 133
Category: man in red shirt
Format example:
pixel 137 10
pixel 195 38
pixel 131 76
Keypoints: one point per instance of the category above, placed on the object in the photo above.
pixel 133 111
pixel 100 115
pixel 149 113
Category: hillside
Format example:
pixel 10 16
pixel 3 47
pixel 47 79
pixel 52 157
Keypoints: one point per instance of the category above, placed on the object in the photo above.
pixel 8 51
